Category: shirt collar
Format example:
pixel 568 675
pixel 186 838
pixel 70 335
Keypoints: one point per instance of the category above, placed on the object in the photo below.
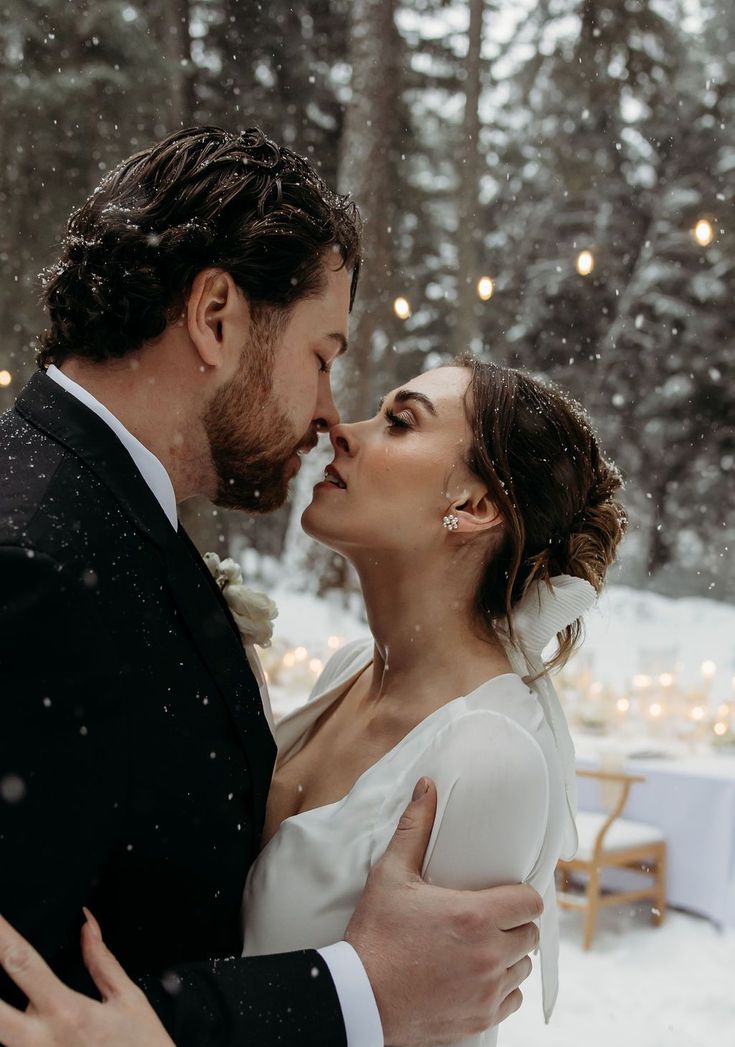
pixel 149 467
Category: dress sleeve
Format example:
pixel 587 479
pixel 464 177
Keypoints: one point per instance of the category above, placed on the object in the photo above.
pixel 493 802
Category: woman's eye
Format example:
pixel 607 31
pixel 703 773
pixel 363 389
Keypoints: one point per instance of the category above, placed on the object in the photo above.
pixel 324 367
pixel 398 421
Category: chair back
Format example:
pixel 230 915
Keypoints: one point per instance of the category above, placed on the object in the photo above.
pixel 614 791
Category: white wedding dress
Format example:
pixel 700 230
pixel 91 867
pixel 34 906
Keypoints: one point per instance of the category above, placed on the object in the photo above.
pixel 500 757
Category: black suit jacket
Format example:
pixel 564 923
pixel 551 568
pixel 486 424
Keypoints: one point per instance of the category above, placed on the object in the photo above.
pixel 135 757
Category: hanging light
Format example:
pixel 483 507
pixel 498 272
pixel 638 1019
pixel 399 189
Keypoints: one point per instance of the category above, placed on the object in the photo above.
pixel 703 232
pixel 486 288
pixel 585 263
pixel 5 378
pixel 402 308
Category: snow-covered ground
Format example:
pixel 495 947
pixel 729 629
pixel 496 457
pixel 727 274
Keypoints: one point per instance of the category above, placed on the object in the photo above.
pixel 639 986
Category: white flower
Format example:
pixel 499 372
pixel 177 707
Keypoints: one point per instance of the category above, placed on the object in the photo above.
pixel 253 612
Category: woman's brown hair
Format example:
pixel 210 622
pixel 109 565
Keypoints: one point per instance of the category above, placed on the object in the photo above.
pixel 534 447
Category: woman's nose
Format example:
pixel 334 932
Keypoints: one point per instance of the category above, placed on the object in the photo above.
pixel 343 438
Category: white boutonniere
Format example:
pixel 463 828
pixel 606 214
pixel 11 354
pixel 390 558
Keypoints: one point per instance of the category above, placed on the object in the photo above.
pixel 253 612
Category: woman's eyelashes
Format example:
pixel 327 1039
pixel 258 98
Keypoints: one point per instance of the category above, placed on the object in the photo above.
pixel 404 420
pixel 324 367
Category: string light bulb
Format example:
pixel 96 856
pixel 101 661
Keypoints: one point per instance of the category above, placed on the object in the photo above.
pixel 402 308
pixel 585 263
pixel 5 378
pixel 703 232
pixel 485 288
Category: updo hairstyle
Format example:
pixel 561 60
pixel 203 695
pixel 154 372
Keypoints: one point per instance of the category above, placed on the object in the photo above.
pixel 534 448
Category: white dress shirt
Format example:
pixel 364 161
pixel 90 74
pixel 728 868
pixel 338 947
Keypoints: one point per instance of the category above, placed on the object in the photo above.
pixel 356 998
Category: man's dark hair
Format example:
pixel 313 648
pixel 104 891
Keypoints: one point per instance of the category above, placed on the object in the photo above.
pixel 202 197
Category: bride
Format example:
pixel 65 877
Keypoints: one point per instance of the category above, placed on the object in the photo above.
pixel 481 518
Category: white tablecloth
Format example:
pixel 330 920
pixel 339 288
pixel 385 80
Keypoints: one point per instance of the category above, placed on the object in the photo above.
pixel 692 800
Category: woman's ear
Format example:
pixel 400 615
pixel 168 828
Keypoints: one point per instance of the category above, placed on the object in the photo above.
pixel 475 512
pixel 217 318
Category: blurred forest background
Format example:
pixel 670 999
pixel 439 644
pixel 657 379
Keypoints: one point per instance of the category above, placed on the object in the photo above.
pixel 548 182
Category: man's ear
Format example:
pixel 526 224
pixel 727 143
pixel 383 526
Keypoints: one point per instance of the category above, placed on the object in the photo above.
pixel 217 318
pixel 475 512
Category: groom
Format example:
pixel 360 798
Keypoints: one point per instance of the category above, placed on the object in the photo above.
pixel 201 299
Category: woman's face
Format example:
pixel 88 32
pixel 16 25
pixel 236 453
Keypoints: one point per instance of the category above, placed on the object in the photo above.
pixel 398 473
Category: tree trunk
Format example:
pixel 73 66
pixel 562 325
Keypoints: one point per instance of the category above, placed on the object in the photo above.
pixel 368 163
pixel 176 47
pixel 469 232
pixel 367 170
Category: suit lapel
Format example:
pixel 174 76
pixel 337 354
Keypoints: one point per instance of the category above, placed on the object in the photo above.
pixel 217 639
pixel 209 623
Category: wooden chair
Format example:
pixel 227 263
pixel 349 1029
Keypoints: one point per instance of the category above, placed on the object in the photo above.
pixel 609 841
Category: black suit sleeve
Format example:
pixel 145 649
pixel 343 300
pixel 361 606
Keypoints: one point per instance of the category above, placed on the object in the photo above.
pixel 64 752
pixel 287 1000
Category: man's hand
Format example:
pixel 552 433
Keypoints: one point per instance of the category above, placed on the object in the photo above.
pixel 443 964
pixel 59 1017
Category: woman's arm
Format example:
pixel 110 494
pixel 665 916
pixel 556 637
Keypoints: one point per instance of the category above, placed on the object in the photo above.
pixel 493 802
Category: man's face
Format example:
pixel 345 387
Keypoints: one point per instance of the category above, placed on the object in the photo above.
pixel 270 413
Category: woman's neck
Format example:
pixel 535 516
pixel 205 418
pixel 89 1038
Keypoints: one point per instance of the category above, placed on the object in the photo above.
pixel 428 644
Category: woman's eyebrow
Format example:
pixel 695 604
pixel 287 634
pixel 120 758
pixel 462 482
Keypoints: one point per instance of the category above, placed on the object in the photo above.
pixel 405 395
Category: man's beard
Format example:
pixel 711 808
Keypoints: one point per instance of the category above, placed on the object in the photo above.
pixel 250 439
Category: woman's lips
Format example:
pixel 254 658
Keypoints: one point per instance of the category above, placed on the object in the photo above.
pixel 332 478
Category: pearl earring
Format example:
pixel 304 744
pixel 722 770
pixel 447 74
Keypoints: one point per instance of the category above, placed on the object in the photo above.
pixel 451 522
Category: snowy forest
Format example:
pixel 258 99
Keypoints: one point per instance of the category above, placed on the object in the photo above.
pixel 547 182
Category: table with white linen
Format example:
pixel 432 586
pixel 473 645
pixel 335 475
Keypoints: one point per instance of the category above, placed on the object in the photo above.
pixel 691 799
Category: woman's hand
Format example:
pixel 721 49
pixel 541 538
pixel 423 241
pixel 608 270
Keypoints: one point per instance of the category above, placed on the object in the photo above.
pixel 56 1016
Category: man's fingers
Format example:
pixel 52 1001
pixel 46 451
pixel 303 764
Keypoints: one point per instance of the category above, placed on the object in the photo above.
pixel 30 973
pixel 520 942
pixel 510 1005
pixel 411 838
pixel 106 972
pixel 15 1026
pixel 514 905
pixel 519 972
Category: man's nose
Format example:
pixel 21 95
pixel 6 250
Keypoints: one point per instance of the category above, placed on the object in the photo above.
pixel 327 414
